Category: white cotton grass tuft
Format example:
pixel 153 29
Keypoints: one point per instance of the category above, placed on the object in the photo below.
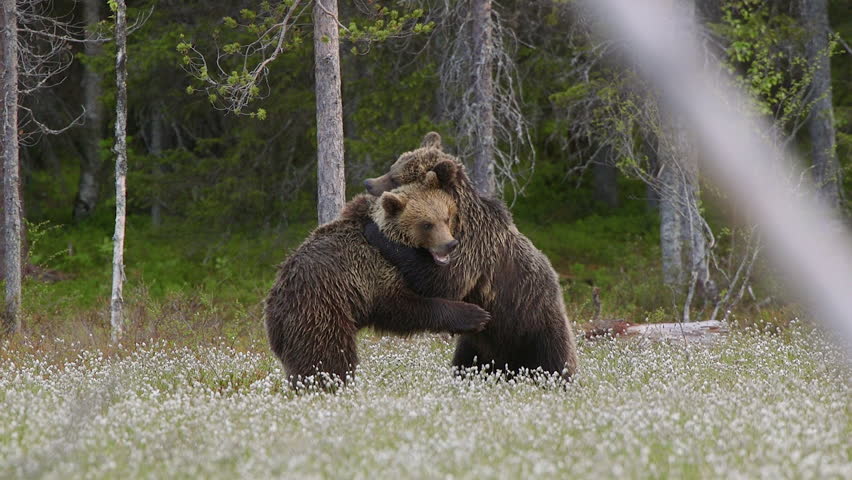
pixel 751 406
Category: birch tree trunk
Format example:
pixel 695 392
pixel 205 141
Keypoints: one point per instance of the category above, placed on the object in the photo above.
pixel 670 226
pixel 821 121
pixel 11 169
pixel 692 230
pixel 90 162
pixel 483 87
pixel 331 182
pixel 120 149
pixel 682 233
pixel 682 239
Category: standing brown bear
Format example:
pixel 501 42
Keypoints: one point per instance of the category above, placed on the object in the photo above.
pixel 335 283
pixel 495 267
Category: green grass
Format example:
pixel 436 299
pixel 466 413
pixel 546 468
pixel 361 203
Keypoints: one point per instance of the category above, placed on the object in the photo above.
pixel 161 262
pixel 616 252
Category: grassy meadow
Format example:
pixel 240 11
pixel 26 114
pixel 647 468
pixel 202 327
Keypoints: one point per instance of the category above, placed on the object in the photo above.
pixel 753 405
pixel 193 391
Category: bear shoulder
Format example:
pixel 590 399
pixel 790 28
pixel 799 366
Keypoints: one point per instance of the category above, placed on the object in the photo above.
pixel 358 209
pixel 496 209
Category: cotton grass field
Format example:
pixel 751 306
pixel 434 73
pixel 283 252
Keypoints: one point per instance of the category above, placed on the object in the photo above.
pixel 752 405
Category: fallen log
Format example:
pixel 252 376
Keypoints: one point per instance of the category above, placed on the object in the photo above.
pixel 707 330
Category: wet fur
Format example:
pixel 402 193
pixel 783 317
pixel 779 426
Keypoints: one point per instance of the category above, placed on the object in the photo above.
pixel 334 284
pixel 495 267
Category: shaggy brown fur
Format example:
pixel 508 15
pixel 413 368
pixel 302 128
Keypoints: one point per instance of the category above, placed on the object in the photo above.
pixel 495 267
pixel 335 283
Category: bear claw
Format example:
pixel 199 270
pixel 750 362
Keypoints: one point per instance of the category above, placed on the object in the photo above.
pixel 474 319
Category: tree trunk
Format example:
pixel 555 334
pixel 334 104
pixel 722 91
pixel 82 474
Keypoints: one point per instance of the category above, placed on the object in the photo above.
pixel 605 176
pixel 821 121
pixel 692 230
pixel 682 238
pixel 90 161
pixel 331 182
pixel 11 169
pixel 483 86
pixel 117 299
pixel 156 151
pixel 670 226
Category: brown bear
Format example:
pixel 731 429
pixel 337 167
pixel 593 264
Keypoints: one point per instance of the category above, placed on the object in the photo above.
pixel 335 283
pixel 495 267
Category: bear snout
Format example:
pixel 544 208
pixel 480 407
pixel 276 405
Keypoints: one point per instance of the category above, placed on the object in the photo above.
pixel 368 184
pixel 451 246
pixel 377 186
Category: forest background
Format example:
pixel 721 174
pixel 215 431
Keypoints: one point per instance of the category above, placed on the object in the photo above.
pixel 583 154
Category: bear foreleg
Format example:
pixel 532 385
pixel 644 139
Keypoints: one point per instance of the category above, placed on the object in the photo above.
pixel 410 313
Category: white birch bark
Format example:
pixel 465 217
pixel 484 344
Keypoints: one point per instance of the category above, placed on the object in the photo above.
pixel 682 239
pixel 120 149
pixel 670 225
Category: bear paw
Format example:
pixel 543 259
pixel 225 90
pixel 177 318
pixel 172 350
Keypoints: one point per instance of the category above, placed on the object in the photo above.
pixel 471 318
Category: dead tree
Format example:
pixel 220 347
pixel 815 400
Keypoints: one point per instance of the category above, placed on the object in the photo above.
pixel 483 88
pixel 331 182
pixel 827 172
pixel 120 149
pixel 35 53
pixel 480 93
pixel 11 168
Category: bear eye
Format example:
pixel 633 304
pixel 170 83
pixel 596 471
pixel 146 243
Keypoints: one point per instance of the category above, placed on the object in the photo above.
pixel 427 226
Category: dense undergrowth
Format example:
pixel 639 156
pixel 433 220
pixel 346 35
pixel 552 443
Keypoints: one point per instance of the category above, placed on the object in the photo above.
pixel 186 269
pixel 231 273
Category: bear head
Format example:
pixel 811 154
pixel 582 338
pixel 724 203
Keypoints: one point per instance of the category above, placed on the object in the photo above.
pixel 411 167
pixel 419 214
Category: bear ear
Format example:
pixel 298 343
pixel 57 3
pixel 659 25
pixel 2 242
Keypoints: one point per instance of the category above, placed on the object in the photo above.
pixel 445 173
pixel 431 180
pixel 431 140
pixel 392 204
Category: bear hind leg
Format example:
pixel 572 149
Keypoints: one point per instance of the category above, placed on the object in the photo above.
pixel 468 358
pixel 550 352
pixel 326 365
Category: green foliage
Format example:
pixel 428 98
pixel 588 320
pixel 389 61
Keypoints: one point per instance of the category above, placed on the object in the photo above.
pixel 764 51
pixel 383 130
pixel 841 71
pixel 571 94
pixel 236 191
pixel 385 24
pixel 618 253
